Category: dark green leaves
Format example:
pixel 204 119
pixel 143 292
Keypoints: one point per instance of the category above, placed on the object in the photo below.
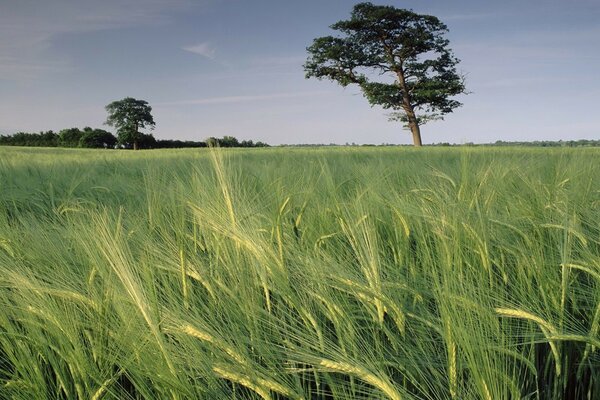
pixel 336 59
pixel 399 59
pixel 129 116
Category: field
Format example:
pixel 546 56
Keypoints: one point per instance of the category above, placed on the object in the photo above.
pixel 325 273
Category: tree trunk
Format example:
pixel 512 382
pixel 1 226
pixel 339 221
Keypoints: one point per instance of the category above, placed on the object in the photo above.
pixel 137 135
pixel 413 124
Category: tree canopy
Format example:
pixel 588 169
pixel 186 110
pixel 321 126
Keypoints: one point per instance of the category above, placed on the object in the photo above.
pixel 69 137
pixel 128 116
pixel 96 138
pixel 399 59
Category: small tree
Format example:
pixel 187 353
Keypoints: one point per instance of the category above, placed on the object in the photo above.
pixel 408 48
pixel 129 116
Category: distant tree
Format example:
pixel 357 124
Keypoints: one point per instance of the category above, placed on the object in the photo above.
pixel 48 139
pixel 229 141
pixel 42 139
pixel 407 48
pixel 174 144
pixel 97 138
pixel 129 116
pixel 147 141
pixel 212 142
pixel 69 137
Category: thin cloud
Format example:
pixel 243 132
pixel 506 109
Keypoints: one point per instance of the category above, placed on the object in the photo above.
pixel 21 69
pixel 28 29
pixel 240 99
pixel 204 49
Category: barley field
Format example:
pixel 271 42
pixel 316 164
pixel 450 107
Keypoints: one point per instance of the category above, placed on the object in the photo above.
pixel 321 273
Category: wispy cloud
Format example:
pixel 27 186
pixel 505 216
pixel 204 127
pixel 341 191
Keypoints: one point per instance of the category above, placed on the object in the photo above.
pixel 205 49
pixel 241 99
pixel 29 29
pixel 22 69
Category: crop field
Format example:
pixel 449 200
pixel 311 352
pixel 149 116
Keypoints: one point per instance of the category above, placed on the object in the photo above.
pixel 304 273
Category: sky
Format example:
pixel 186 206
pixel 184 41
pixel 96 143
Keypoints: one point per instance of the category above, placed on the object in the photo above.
pixel 235 67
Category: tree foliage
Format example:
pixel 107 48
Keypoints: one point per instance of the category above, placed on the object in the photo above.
pixel 42 139
pixel 399 59
pixel 230 141
pixel 97 138
pixel 69 137
pixel 128 116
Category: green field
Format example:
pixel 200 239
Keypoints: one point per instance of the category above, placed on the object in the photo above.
pixel 325 273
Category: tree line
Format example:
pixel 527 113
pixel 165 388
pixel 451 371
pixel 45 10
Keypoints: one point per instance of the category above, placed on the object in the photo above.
pixel 71 137
pixel 552 143
pixel 100 138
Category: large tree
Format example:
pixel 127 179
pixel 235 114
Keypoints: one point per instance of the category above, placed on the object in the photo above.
pixel 399 59
pixel 129 116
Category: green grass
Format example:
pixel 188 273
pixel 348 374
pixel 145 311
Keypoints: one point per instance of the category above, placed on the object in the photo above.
pixel 346 273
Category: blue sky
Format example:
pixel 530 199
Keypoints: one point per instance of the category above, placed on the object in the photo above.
pixel 234 67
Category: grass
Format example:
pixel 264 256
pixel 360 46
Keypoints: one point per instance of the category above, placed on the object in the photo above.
pixel 363 273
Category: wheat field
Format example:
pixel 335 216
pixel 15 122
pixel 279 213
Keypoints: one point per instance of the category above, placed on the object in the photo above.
pixel 304 273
